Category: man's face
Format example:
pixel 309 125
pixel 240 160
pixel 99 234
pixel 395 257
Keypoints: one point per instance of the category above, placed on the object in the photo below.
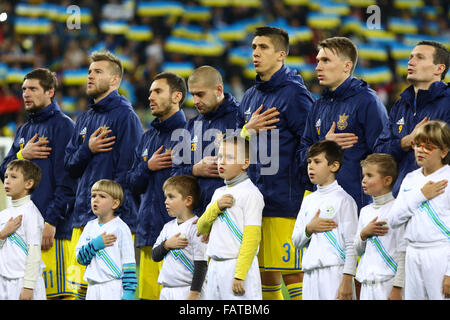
pixel 160 98
pixel 266 59
pixel 99 79
pixel 206 98
pixel 421 67
pixel 331 68
pixel 34 96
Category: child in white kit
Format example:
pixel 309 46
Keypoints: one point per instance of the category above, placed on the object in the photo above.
pixel 423 204
pixel 326 226
pixel 21 228
pixel 184 267
pixel 106 247
pixel 381 268
pixel 233 221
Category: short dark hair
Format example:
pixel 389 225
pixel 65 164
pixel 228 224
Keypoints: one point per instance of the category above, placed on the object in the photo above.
pixel 386 165
pixel 115 63
pixel 175 82
pixel 333 152
pixel 47 79
pixel 341 46
pixel 441 54
pixel 29 169
pixel 278 36
pixel 186 185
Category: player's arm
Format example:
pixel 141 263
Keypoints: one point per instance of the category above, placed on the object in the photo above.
pixel 32 267
pixel 85 253
pixel 213 210
pixel 200 269
pixel 129 281
pixel 251 238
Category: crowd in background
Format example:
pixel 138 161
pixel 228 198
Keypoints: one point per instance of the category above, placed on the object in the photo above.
pixel 225 27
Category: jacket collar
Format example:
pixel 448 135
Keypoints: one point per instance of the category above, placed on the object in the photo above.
pixel 44 114
pixel 228 105
pixel 348 88
pixel 436 90
pixel 274 82
pixel 107 103
pixel 176 121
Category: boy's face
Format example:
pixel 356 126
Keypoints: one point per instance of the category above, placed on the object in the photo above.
pixel 175 203
pixel 103 204
pixel 230 163
pixel 373 183
pixel 16 186
pixel 320 172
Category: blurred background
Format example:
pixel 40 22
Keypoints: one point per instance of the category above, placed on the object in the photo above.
pixel 178 36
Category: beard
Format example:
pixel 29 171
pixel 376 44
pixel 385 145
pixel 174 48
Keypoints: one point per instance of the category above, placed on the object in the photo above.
pixel 97 90
pixel 35 108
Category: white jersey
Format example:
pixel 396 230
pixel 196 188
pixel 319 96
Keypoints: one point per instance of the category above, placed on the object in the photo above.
pixel 379 254
pixel 14 252
pixel 178 265
pixel 107 263
pixel 227 230
pixel 335 247
pixel 428 221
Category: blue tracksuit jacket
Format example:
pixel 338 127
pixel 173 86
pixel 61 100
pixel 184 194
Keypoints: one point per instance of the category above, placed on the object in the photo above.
pixel 116 113
pixel 282 191
pixel 152 210
pixel 405 114
pixel 355 108
pixel 55 194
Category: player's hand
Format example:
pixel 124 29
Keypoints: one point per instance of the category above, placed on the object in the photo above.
pixel 238 287
pixel 100 142
pixel 345 291
pixel 108 239
pixel 205 237
pixel 345 140
pixel 193 295
pixel 262 121
pixel 405 142
pixel 10 227
pixel 320 224
pixel 26 294
pixel 446 287
pixel 226 201
pixel 159 160
pixel 176 241
pixel 47 236
pixel 207 168
pixel 374 228
pixel 36 150
pixel 396 294
pixel 432 189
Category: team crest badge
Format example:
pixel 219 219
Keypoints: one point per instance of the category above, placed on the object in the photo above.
pixel 318 124
pixel 400 124
pixel 329 211
pixel 194 142
pixel 168 150
pixel 342 123
pixel 83 133
pixel 43 138
pixel 247 114
pixel 145 154
pixel 21 143
pixel 104 128
pixel 219 138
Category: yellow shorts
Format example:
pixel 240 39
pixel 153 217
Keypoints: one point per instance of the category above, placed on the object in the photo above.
pixel 276 251
pixel 75 271
pixel 149 288
pixel 54 274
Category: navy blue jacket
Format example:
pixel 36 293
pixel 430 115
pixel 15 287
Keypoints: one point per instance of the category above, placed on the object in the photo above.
pixel 152 210
pixel 55 195
pixel 282 191
pixel 355 108
pixel 116 113
pixel 203 131
pixel 403 117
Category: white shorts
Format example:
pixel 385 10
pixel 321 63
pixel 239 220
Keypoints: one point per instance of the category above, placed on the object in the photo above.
pixel 323 283
pixel 110 290
pixel 424 272
pixel 376 291
pixel 10 289
pixel 219 281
